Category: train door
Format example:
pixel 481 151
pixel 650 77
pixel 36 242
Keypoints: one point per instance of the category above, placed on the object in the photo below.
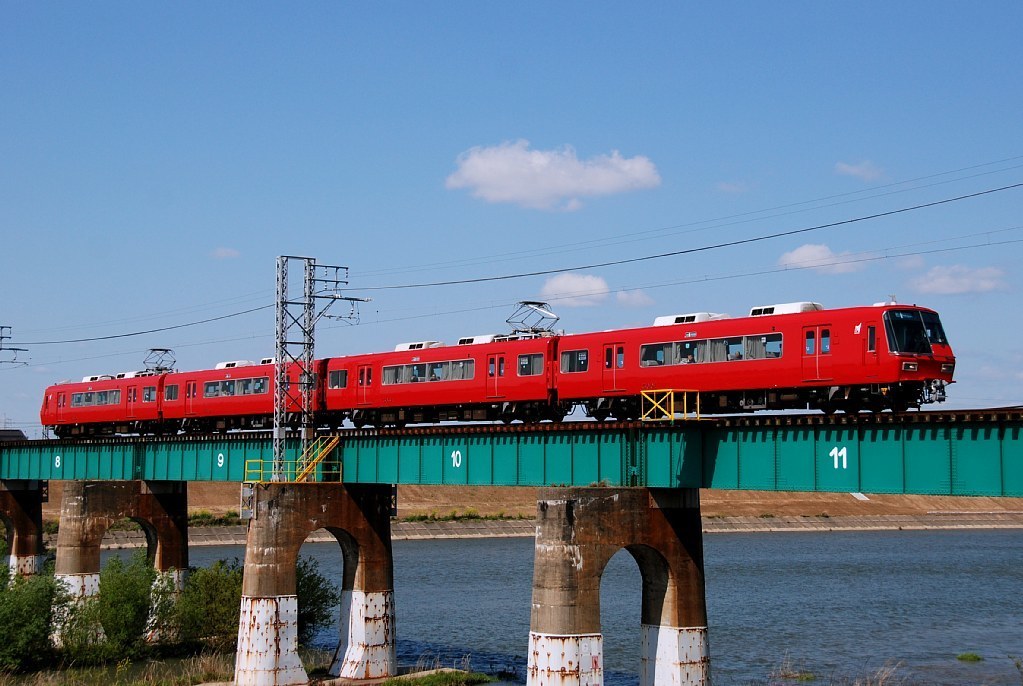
pixel 495 375
pixel 132 397
pixel 614 362
pixel 871 361
pixel 61 404
pixel 365 383
pixel 190 397
pixel 816 353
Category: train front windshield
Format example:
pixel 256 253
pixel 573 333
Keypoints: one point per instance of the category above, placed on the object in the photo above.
pixel 913 331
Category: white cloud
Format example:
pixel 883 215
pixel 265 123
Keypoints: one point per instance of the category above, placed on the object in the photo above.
pixel 548 179
pixel 820 258
pixel 633 298
pixel 864 171
pixel 956 279
pixel 225 254
pixel 575 290
pixel 911 263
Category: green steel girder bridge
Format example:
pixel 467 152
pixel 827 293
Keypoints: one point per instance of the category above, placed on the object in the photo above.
pixel 968 453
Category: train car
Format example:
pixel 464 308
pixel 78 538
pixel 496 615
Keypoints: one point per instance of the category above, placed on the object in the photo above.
pixel 793 355
pixel 234 395
pixel 103 404
pixel 482 378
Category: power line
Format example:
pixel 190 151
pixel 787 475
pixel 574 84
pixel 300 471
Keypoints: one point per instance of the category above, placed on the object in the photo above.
pixel 716 223
pixel 148 331
pixel 689 251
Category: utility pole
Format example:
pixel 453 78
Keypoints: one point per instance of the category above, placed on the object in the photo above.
pixel 5 335
pixel 294 375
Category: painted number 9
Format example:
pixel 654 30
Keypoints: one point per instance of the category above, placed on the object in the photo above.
pixel 456 458
pixel 220 459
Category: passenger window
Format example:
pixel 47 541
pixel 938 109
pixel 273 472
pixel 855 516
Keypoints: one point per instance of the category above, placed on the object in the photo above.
pixel 170 392
pixel 735 348
pixel 531 364
pixel 811 343
pixel 149 394
pixel 211 389
pixel 575 361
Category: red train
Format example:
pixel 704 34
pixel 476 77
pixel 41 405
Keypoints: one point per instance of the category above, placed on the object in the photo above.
pixel 794 355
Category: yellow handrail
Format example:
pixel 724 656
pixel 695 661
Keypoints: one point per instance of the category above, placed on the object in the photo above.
pixel 294 471
pixel 659 405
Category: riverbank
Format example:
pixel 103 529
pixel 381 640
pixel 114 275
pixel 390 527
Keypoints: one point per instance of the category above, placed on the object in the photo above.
pixel 524 528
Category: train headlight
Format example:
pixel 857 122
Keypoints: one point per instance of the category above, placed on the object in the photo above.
pixel 948 367
pixel 909 366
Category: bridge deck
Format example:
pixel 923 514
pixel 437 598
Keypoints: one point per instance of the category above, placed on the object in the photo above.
pixel 940 453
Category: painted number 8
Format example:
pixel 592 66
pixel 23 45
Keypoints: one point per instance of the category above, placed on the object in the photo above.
pixel 56 462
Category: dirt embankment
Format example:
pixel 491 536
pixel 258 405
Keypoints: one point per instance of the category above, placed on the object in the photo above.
pixel 219 498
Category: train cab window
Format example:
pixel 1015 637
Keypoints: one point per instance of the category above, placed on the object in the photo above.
pixel 170 392
pixel 825 341
pixel 211 389
pixel 811 343
pixel 337 378
pixel 531 364
pixel 871 339
pixel 149 394
pixel 575 361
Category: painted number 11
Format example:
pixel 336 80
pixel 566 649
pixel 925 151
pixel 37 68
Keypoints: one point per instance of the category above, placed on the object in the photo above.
pixel 843 453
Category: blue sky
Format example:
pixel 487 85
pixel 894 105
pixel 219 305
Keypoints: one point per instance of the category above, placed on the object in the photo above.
pixel 156 158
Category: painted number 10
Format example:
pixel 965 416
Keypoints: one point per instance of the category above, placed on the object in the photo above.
pixel 843 453
pixel 456 458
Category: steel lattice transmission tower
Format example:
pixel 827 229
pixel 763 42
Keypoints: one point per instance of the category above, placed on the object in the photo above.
pixel 296 347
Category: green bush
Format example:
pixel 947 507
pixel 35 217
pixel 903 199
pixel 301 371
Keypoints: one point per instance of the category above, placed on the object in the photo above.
pixel 207 611
pixel 26 618
pixel 317 599
pixel 124 603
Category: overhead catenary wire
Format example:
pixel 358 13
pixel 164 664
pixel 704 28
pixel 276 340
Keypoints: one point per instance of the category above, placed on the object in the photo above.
pixel 561 270
pixel 690 251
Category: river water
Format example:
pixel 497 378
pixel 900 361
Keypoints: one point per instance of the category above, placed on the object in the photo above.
pixel 840 605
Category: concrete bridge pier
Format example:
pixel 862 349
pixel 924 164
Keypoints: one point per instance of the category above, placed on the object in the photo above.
pixel 87 510
pixel 21 510
pixel 283 516
pixel 578 531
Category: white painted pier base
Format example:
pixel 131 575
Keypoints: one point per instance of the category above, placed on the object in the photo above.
pixel 573 660
pixel 674 656
pixel 78 587
pixel 369 652
pixel 268 643
pixel 26 565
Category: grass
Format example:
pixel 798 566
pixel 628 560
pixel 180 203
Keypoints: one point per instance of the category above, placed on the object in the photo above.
pixel 969 657
pixel 170 672
pixel 467 515
pixel 442 678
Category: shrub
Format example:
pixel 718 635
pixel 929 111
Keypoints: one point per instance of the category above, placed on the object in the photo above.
pixel 124 602
pixel 317 599
pixel 25 621
pixel 207 610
